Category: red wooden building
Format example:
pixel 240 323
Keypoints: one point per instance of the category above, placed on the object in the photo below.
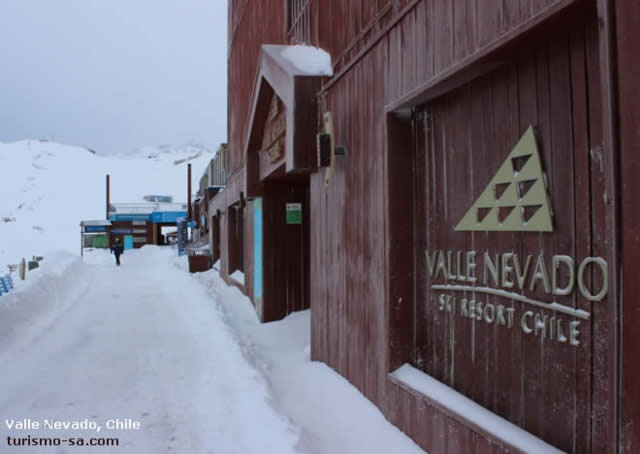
pixel 469 262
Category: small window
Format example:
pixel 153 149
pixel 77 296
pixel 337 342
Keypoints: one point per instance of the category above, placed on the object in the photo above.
pixel 299 21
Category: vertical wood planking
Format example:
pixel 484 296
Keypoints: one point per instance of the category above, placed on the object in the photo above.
pixel 374 156
pixel 541 5
pixel 462 342
pixel 339 263
pixel 433 350
pixel 481 144
pixel 506 112
pixel 532 367
pixel 489 19
pixel 393 85
pixel 368 11
pixel 526 9
pixel 464 29
pixel 318 324
pixel 560 361
pixel 355 274
pixel 601 312
pixel 408 54
pixel 367 309
pixel 379 327
pixel 542 364
pixel 459 438
pixel 582 220
pixel 510 14
pixel 420 351
pixel 443 35
pixel 424 37
pixel 628 24
pixel 338 23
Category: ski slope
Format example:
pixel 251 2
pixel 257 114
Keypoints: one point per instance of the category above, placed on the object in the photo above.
pixel 46 189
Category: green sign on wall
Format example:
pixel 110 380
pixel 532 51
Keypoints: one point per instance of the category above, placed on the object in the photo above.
pixel 100 241
pixel 294 213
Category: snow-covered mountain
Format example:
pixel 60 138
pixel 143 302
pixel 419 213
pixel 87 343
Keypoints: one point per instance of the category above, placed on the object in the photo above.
pixel 47 188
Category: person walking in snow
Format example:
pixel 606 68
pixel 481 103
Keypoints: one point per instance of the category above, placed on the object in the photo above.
pixel 117 249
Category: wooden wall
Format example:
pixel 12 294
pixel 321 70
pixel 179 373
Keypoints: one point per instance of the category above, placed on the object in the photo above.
pixel 350 311
pixel 628 24
pixel 348 234
pixel 385 53
pixel 538 384
pixel 248 31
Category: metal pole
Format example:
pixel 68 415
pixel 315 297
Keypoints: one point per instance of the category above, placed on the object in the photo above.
pixel 108 196
pixel 189 192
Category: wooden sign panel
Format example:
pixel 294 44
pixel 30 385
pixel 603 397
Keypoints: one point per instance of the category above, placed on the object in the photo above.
pixel 272 153
pixel 512 302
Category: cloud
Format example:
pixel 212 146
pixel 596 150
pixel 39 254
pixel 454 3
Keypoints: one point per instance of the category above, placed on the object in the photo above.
pixel 114 75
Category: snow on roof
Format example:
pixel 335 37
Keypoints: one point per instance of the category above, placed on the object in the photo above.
pixel 309 60
pixel 145 208
pixel 98 223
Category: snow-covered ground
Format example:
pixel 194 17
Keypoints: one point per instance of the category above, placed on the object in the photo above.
pixel 46 189
pixel 332 415
pixel 184 355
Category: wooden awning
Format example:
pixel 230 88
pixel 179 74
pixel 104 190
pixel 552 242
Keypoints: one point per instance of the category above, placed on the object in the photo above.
pixel 297 91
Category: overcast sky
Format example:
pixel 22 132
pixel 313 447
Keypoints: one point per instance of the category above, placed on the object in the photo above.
pixel 114 75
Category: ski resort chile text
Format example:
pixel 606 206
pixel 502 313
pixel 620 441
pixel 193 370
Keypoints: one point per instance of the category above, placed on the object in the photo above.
pixel 465 273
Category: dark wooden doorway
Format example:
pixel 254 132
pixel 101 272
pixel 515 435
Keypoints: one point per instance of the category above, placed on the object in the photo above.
pixel 285 249
pixel 235 226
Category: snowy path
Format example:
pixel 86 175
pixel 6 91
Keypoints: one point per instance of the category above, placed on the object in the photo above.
pixel 142 342
pixel 182 354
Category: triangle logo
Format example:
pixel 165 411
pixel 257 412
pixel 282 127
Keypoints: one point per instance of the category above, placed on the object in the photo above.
pixel 516 199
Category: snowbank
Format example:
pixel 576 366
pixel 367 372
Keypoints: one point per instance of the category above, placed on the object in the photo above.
pixel 238 276
pixel 333 416
pixel 48 291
